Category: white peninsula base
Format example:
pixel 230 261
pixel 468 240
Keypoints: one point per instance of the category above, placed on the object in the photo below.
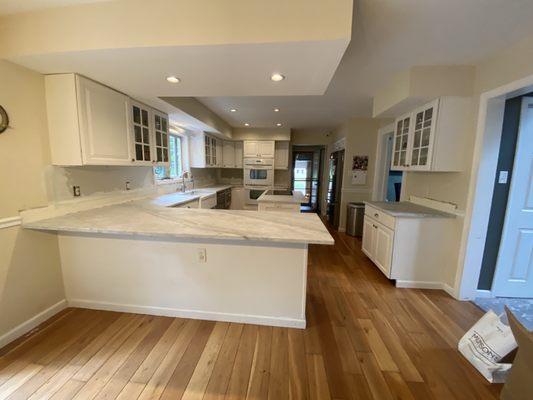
pixel 240 281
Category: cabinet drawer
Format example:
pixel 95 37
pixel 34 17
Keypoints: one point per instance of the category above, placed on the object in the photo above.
pixel 388 220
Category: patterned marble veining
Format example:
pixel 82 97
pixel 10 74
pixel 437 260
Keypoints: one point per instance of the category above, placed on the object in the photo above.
pixel 147 218
pixel 407 209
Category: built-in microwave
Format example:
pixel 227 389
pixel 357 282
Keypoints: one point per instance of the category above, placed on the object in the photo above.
pixel 258 172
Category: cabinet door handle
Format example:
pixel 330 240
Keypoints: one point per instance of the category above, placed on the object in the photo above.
pixel 376 215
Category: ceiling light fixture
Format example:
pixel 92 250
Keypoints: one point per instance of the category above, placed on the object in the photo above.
pixel 278 124
pixel 276 109
pixel 232 110
pixel 173 79
pixel 276 77
pixel 246 124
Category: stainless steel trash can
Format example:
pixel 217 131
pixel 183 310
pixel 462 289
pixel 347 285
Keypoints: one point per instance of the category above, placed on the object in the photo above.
pixel 354 220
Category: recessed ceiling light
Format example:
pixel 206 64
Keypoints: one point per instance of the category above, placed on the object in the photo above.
pixel 278 124
pixel 233 110
pixel 276 109
pixel 276 77
pixel 173 79
pixel 246 124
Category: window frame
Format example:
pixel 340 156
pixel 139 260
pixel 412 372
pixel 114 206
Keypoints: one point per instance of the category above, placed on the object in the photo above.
pixel 167 178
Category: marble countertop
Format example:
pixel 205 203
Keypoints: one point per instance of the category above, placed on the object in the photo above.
pixel 177 198
pixel 295 198
pixel 408 210
pixel 155 217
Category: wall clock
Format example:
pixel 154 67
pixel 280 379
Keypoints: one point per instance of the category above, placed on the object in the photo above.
pixel 4 120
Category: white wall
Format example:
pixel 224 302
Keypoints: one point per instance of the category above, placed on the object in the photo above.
pixel 30 274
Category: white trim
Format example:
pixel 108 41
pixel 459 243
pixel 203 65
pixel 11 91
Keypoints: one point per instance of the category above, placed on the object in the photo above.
pixel 193 314
pixel 355 190
pixel 379 191
pixel 488 134
pixel 9 222
pixel 426 285
pixel 31 323
pixel 483 293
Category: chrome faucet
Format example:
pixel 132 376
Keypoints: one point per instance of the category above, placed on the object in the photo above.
pixel 187 175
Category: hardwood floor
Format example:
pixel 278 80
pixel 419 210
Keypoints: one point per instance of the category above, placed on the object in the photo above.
pixel 365 340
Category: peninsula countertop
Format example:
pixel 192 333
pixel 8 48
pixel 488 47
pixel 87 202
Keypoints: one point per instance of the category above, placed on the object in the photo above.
pixel 270 196
pixel 408 209
pixel 147 217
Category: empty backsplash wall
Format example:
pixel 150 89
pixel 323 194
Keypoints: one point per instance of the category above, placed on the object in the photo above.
pixel 94 180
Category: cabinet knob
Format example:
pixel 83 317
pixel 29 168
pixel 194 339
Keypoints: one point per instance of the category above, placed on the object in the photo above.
pixel 133 160
pixel 376 215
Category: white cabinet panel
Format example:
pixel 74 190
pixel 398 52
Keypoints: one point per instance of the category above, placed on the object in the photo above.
pixel 368 238
pixel 432 137
pixel 266 148
pixel 281 157
pixel 251 148
pixel 383 248
pixel 228 154
pixel 103 124
pixel 238 154
pixel 259 148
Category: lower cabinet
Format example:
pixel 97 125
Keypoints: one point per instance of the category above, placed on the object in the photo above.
pixel 378 241
pixel 414 251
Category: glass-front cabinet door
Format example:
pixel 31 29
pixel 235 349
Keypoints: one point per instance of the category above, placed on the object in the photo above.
pixel 161 137
pixel 142 140
pixel 422 137
pixel 400 151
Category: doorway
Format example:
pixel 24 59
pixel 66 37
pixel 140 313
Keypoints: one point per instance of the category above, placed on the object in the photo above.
pixel 306 175
pixel 333 197
pixel 513 192
pixel 509 253
pixel 387 183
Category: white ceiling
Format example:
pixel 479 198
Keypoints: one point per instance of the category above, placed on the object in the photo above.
pixel 390 36
pixel 17 6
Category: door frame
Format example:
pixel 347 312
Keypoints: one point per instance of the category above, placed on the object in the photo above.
pixel 481 187
pixel 383 163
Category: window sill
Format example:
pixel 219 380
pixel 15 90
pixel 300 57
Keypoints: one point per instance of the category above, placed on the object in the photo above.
pixel 170 181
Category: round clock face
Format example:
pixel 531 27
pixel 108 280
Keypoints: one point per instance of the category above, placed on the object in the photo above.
pixel 4 120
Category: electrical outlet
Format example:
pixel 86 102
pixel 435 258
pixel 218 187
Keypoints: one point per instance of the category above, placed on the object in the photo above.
pixel 128 185
pixel 76 191
pixel 202 255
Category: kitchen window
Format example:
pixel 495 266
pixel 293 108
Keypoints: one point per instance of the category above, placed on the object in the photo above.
pixel 175 151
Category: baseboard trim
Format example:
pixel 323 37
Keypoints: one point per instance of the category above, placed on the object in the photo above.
pixel 426 285
pixel 32 323
pixel 192 314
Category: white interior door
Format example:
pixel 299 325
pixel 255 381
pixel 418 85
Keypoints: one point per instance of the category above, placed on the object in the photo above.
pixel 514 270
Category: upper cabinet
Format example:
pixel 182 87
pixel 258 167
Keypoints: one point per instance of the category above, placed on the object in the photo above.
pixel 432 137
pixel 92 124
pixel 205 151
pixel 161 128
pixel 259 148
pixel 281 157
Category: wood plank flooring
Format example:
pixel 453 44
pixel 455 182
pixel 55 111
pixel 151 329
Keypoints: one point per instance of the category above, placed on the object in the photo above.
pixel 365 340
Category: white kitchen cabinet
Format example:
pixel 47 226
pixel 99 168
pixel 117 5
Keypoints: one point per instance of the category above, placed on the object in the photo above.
pixel 161 142
pixel 208 201
pixel 259 148
pixel 412 250
pixel 92 124
pixel 206 151
pixel 228 154
pixel 238 154
pixel 281 155
pixel 237 198
pixel 432 137
pixel 87 122
pixel 141 133
pixel 378 244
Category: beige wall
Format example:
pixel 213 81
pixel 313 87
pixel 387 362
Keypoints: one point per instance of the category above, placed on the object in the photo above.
pixel 128 23
pixel 361 139
pixel 514 63
pixel 30 274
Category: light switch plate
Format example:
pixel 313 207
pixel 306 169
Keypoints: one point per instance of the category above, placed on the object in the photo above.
pixel 502 177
